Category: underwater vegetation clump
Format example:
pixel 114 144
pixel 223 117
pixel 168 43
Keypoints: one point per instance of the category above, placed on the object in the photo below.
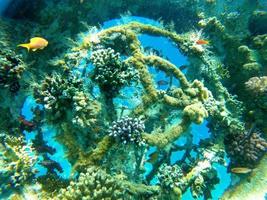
pixel 112 112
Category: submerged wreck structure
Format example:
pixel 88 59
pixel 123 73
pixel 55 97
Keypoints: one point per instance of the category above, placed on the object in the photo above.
pixel 115 127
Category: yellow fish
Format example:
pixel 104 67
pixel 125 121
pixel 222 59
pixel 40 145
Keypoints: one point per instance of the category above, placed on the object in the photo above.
pixel 35 43
pixel 241 170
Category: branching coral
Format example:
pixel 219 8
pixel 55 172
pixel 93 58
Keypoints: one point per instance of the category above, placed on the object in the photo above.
pixel 128 130
pixel 64 99
pixel 92 185
pixel 110 72
pixel 170 176
pixel 17 163
pixel 96 184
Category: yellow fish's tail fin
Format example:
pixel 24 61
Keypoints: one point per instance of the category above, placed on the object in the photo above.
pixel 27 46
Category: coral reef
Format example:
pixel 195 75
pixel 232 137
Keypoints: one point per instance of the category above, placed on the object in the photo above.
pixel 93 184
pixel 128 130
pixel 224 84
pixel 17 163
pixel 201 178
pixel 64 99
pixel 245 149
pixel 96 183
pixel 204 183
pixel 257 86
pixel 110 72
pixel 11 69
pixel 255 188
pixel 170 176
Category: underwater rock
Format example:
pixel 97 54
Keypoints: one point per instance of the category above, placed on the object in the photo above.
pixel 128 130
pixel 110 72
pixel 245 149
